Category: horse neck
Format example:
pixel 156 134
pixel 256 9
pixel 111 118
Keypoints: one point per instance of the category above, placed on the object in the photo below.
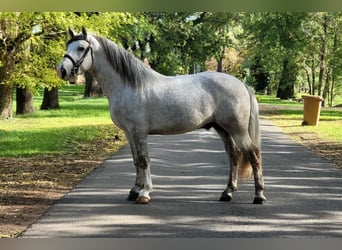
pixel 109 77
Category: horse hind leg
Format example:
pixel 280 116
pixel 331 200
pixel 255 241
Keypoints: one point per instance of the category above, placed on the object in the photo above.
pixel 234 156
pixel 254 157
pixel 251 155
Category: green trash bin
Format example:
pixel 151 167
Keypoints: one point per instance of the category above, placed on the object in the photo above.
pixel 312 109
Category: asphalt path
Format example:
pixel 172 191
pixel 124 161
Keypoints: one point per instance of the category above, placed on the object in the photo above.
pixel 189 172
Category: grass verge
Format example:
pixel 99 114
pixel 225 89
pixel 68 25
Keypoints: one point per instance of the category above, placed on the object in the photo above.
pixel 55 131
pixel 325 139
pixel 44 154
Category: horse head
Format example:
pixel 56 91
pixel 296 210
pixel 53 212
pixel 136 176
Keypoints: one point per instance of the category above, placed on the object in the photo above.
pixel 79 56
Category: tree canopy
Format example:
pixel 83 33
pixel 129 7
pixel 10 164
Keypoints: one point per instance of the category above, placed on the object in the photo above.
pixel 282 52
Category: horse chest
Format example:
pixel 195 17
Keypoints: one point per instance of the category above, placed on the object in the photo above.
pixel 126 112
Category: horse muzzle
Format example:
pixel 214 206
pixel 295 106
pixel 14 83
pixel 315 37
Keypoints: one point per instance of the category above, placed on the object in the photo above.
pixel 62 73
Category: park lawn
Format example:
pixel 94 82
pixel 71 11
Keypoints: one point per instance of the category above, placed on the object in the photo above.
pixel 57 131
pixel 288 115
pixel 325 139
pixel 329 127
pixel 45 154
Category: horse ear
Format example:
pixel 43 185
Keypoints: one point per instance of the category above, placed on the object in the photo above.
pixel 72 32
pixel 84 32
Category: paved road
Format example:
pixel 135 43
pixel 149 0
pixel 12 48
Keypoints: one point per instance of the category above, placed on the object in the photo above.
pixel 189 173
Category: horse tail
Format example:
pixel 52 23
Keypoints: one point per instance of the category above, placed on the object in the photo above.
pixel 253 127
pixel 254 133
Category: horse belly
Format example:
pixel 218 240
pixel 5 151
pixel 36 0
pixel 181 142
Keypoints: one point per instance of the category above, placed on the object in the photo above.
pixel 172 129
pixel 178 119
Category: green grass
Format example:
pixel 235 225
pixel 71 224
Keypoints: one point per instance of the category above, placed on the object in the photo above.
pixel 329 127
pixel 289 116
pixel 263 99
pixel 78 121
pixel 82 120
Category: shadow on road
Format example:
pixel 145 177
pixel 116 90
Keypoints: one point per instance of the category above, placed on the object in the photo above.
pixel 189 172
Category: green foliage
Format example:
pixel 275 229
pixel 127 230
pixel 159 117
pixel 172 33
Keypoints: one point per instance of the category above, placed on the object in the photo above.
pixel 310 42
pixel 168 43
pixel 39 40
pixel 179 43
pixel 15 30
pixel 277 40
pixel 56 131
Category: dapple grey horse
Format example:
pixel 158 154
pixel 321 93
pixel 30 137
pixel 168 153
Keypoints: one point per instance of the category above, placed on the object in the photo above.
pixel 143 102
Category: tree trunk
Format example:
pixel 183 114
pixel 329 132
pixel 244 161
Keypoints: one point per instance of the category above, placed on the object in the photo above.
pixel 313 82
pixel 326 89
pixel 321 69
pixel 333 74
pixel 6 100
pixel 331 94
pixel 24 100
pixel 322 56
pixel 92 88
pixel 260 76
pixel 308 79
pixel 219 59
pixel 50 99
pixel 219 64
pixel 287 80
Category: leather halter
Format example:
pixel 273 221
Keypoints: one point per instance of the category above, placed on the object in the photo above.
pixel 77 64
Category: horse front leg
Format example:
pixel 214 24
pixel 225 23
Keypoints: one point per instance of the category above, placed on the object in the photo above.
pixel 139 184
pixel 143 184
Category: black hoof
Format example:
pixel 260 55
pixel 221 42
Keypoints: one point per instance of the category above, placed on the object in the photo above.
pixel 132 196
pixel 225 197
pixel 259 200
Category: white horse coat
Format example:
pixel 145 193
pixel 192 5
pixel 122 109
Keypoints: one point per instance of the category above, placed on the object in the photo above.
pixel 144 102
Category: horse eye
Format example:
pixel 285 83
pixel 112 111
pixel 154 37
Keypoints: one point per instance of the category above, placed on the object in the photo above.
pixel 80 48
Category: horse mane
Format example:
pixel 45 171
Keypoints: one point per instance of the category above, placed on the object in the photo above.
pixel 132 71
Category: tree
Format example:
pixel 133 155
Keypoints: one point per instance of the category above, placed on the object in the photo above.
pixel 30 45
pixel 49 48
pixel 287 79
pixel 332 60
pixel 322 58
pixel 50 99
pixel 24 99
pixel 15 30
pixel 279 38
pixel 335 59
pixel 219 32
pixel 181 42
pixel 24 96
pixel 168 54
pixel 232 63
pixel 6 99
pixel 92 88
pixel 260 77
